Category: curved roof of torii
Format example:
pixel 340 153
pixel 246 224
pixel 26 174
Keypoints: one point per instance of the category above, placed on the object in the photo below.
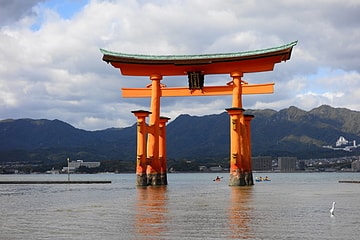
pixel 222 63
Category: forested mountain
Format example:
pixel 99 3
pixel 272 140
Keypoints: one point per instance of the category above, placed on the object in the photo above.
pixel 288 132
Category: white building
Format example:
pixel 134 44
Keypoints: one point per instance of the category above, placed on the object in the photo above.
pixel 73 165
pixel 216 169
pixel 341 141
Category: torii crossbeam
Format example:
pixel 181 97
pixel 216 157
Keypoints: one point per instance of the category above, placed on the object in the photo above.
pixel 151 137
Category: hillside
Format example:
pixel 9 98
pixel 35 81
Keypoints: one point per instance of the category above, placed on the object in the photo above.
pixel 288 132
pixel 53 140
pixel 293 131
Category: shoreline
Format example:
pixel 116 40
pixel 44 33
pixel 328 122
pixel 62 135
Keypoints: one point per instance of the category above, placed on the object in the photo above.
pixel 54 182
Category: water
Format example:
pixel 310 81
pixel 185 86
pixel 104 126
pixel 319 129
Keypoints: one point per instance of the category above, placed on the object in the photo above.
pixel 192 206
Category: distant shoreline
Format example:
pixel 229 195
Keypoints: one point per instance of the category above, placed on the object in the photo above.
pixel 54 182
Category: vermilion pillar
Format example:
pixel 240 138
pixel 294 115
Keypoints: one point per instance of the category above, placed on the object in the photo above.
pixel 236 160
pixel 248 177
pixel 162 150
pixel 241 174
pixel 237 89
pixel 141 178
pixel 153 169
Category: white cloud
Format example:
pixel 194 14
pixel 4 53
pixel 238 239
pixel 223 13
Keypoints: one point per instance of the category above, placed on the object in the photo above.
pixel 51 67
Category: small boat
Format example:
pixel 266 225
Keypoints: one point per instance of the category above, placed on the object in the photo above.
pixel 217 179
pixel 261 179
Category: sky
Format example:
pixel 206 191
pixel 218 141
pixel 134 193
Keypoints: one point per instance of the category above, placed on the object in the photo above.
pixel 51 66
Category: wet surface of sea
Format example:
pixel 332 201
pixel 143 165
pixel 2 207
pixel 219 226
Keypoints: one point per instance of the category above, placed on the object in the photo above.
pixel 192 206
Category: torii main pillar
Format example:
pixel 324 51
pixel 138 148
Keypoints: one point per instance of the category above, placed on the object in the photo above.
pixel 240 144
pixel 151 155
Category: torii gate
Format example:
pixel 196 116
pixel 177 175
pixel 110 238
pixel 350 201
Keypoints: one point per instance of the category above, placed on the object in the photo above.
pixel 151 137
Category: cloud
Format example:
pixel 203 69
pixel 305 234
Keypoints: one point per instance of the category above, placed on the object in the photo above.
pixel 14 10
pixel 51 67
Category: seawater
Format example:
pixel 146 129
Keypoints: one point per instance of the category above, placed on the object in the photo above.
pixel 192 206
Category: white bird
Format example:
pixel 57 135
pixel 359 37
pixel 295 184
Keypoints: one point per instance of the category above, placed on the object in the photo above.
pixel 332 210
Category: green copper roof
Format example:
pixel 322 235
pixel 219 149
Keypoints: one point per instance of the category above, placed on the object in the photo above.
pixel 198 56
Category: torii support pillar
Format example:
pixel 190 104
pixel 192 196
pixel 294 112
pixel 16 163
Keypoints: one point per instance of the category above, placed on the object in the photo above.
pixel 248 119
pixel 240 148
pixel 141 162
pixel 162 150
pixel 237 177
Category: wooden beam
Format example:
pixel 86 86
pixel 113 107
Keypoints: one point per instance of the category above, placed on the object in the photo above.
pixel 266 88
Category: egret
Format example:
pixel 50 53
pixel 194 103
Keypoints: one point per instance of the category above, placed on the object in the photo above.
pixel 332 210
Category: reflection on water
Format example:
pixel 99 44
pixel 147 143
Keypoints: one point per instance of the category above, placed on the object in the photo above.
pixel 151 211
pixel 240 210
pixel 192 206
pixel 197 215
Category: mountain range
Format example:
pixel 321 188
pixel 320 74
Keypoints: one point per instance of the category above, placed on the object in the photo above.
pixel 288 132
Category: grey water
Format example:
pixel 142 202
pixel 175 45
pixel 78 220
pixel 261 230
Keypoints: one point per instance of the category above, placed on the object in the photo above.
pixel 192 206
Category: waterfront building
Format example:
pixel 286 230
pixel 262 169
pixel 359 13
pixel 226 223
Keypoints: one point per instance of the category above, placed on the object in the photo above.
pixel 203 169
pixel 301 165
pixel 74 165
pixel 262 163
pixel 355 166
pixel 216 169
pixel 287 164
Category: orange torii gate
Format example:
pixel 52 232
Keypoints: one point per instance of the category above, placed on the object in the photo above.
pixel 151 137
